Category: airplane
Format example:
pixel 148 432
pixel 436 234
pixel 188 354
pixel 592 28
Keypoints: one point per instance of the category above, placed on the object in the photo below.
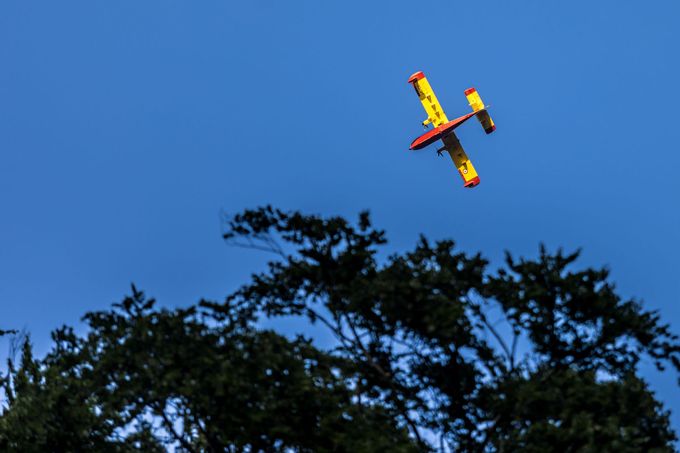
pixel 443 128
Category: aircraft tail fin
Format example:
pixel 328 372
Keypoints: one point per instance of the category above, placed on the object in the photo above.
pixel 478 106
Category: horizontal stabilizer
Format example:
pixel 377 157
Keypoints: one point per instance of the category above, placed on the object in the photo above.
pixel 478 106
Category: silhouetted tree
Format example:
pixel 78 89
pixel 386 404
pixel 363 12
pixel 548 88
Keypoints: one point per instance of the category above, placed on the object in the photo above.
pixel 436 337
pixel 196 379
pixel 433 351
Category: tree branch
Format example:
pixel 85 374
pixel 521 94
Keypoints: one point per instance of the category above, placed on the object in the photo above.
pixel 171 429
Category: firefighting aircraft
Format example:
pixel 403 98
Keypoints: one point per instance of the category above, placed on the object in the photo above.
pixel 443 128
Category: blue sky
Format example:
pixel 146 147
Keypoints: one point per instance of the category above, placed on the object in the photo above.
pixel 127 127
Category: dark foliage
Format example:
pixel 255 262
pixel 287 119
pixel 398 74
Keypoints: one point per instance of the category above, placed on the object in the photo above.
pixel 434 352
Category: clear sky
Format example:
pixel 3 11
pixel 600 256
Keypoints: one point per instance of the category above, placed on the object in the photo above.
pixel 127 126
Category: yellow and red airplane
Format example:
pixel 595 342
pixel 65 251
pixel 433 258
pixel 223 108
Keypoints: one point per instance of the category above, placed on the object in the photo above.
pixel 443 128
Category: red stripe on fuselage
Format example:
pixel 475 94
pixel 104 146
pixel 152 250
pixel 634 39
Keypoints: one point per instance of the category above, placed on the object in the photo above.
pixel 435 134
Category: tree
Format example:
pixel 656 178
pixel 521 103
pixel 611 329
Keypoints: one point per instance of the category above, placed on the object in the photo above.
pixel 434 352
pixel 196 379
pixel 419 329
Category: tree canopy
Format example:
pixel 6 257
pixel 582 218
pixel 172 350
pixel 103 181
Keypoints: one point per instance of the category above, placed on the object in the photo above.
pixel 434 350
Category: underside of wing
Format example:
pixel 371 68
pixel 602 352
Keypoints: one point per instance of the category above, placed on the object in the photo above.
pixel 435 113
pixel 460 160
